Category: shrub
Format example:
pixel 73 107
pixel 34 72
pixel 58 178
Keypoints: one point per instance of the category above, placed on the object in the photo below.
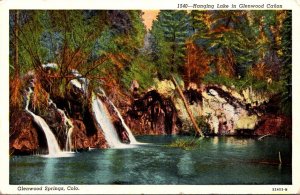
pixel 203 125
pixel 186 144
pixel 245 82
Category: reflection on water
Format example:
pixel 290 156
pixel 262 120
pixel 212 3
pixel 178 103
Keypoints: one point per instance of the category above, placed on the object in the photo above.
pixel 215 140
pixel 238 142
pixel 49 171
pixel 186 165
pixel 218 160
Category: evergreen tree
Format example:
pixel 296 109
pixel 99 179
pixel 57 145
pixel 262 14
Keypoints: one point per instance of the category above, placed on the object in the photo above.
pixel 197 59
pixel 169 34
pixel 200 24
pixel 228 37
pixel 267 24
pixel 286 103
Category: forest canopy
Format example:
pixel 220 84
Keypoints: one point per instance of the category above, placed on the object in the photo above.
pixel 113 47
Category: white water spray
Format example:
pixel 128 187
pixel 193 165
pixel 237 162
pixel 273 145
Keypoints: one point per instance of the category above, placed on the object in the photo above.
pixel 53 147
pixel 130 135
pixel 102 115
pixel 69 144
pixel 67 123
pixel 104 122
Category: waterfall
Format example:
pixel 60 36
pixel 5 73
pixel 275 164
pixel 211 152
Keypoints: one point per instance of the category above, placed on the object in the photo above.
pixel 130 135
pixel 53 147
pixel 67 123
pixel 102 115
pixel 103 120
pixel 69 136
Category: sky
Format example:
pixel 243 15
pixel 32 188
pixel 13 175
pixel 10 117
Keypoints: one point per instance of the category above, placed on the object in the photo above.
pixel 149 16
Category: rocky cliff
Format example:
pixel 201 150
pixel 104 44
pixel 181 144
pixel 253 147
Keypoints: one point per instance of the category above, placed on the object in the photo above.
pixel 219 110
pixel 153 114
pixel 27 138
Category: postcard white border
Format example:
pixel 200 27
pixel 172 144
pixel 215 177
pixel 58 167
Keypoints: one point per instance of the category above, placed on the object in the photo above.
pixel 5 5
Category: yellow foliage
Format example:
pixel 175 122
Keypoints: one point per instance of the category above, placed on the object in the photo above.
pixel 259 70
pixel 225 66
pixel 118 58
pixel 40 96
pixel 15 94
pixel 197 63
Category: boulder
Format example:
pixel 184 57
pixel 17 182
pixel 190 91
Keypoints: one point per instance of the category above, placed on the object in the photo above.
pixel 23 136
pixel 246 122
pixel 82 139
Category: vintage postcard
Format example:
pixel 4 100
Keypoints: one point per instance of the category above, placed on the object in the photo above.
pixel 139 97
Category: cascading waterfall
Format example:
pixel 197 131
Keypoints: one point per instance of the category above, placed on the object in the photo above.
pixel 69 144
pixel 103 120
pixel 130 135
pixel 53 147
pixel 67 123
pixel 102 115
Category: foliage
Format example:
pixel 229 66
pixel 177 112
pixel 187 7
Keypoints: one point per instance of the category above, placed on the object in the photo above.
pixel 242 83
pixel 230 41
pixel 15 93
pixel 169 33
pixel 140 70
pixel 25 33
pixel 203 125
pixel 267 25
pixel 40 98
pixel 286 103
pixel 197 63
pixel 200 23
pixel 239 48
pixel 93 42
pixel 186 144
pixel 189 129
pixel 234 48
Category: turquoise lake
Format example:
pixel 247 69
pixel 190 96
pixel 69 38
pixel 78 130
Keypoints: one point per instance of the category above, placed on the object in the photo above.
pixel 216 160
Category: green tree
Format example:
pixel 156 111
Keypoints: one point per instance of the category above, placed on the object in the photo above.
pixel 268 25
pixel 24 40
pixel 169 33
pixel 200 24
pixel 99 44
pixel 230 41
pixel 121 41
pixel 286 103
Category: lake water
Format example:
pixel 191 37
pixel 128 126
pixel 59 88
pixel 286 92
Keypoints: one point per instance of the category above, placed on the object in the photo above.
pixel 217 160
